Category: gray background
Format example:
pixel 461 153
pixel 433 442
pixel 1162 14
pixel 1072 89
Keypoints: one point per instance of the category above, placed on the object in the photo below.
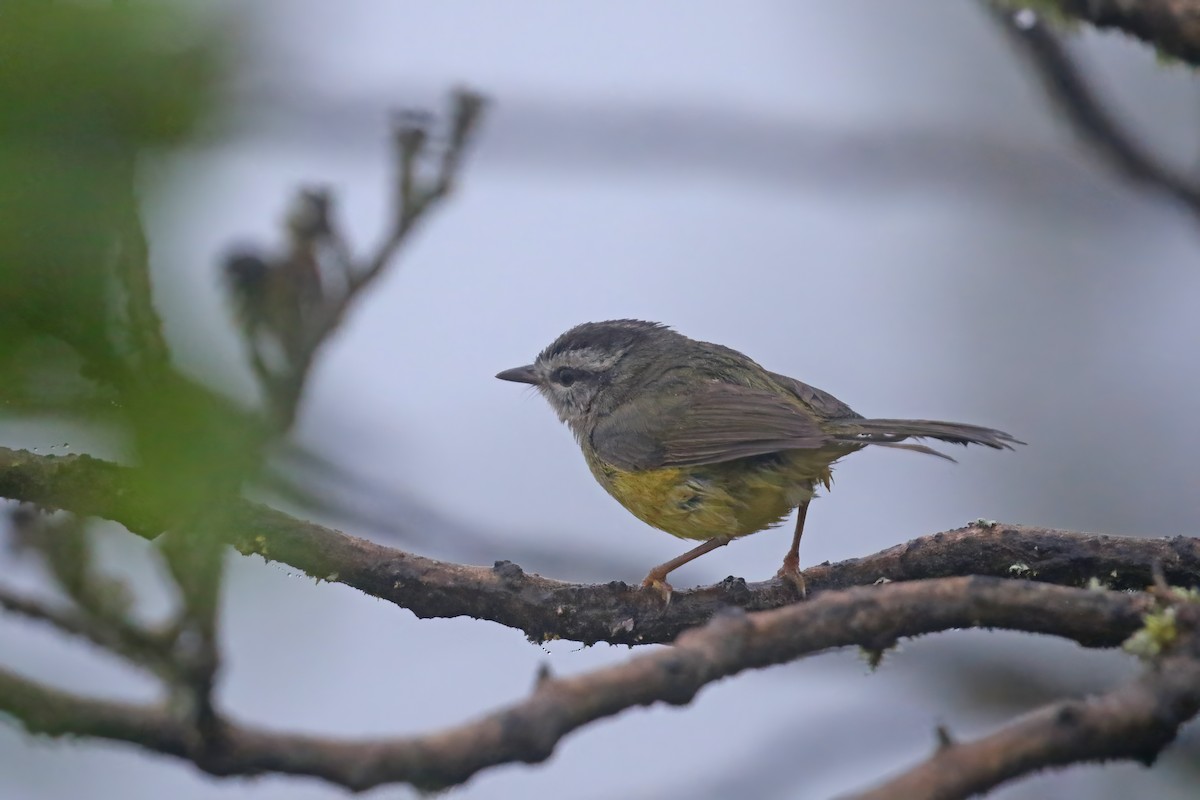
pixel 869 196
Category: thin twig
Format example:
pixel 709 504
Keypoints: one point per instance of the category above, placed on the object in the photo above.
pixel 140 648
pixel 148 650
pixel 1068 90
pixel 270 292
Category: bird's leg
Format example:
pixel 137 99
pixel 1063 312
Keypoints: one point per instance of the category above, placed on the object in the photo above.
pixel 657 579
pixel 790 571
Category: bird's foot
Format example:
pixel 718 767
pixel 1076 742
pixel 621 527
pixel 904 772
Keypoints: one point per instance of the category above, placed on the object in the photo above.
pixel 658 585
pixel 790 572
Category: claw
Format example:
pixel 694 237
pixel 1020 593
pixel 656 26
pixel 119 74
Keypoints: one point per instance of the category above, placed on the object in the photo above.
pixel 790 572
pixel 658 585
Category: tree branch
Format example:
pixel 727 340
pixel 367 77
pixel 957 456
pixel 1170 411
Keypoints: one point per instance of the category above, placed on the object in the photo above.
pixel 528 731
pixel 615 612
pixel 1135 721
pixel 289 297
pixel 143 648
pixel 1171 26
pixel 1068 90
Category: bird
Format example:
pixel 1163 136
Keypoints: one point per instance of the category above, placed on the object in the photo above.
pixel 699 440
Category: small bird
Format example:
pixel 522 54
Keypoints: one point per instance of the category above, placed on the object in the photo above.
pixel 700 441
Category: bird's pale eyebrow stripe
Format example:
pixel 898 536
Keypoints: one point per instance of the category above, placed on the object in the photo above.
pixel 589 358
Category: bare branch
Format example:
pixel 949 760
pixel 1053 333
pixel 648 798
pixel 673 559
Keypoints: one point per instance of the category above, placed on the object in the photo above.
pixel 41 709
pixel 613 612
pixel 285 297
pixel 1068 90
pixel 413 200
pixel 1135 722
pixel 1171 26
pixel 135 646
pixel 528 731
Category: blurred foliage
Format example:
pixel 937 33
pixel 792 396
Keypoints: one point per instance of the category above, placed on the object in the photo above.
pixel 85 89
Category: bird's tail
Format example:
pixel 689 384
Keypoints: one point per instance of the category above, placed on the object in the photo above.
pixel 893 432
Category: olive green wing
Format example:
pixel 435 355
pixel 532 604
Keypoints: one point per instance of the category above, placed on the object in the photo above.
pixel 715 423
pixel 820 401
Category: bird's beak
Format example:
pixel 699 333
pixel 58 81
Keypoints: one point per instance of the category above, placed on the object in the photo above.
pixel 523 374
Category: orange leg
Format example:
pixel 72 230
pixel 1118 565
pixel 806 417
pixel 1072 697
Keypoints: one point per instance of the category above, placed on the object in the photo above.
pixel 657 579
pixel 790 571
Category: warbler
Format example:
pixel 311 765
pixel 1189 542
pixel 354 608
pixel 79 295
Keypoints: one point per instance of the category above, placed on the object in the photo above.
pixel 700 441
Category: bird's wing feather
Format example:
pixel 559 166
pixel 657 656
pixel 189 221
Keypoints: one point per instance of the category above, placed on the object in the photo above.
pixel 715 423
pixel 819 400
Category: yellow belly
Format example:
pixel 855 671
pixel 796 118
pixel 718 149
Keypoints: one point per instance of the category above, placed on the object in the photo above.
pixel 734 498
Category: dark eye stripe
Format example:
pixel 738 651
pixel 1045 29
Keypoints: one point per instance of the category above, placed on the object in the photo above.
pixel 565 376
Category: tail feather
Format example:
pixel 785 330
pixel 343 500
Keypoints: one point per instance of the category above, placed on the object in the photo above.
pixel 889 432
pixel 916 448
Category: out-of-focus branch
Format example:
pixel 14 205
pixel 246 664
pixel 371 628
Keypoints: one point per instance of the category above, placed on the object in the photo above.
pixel 182 653
pixel 289 307
pixel 1134 722
pixel 1171 26
pixel 413 199
pixel 528 731
pixel 136 646
pixel 1069 92
pixel 613 612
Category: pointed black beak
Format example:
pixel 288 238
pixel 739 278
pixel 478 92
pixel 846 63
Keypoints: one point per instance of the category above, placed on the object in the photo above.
pixel 523 374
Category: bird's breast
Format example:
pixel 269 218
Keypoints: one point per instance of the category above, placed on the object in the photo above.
pixel 733 498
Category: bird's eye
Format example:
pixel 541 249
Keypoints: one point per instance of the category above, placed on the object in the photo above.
pixel 565 376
